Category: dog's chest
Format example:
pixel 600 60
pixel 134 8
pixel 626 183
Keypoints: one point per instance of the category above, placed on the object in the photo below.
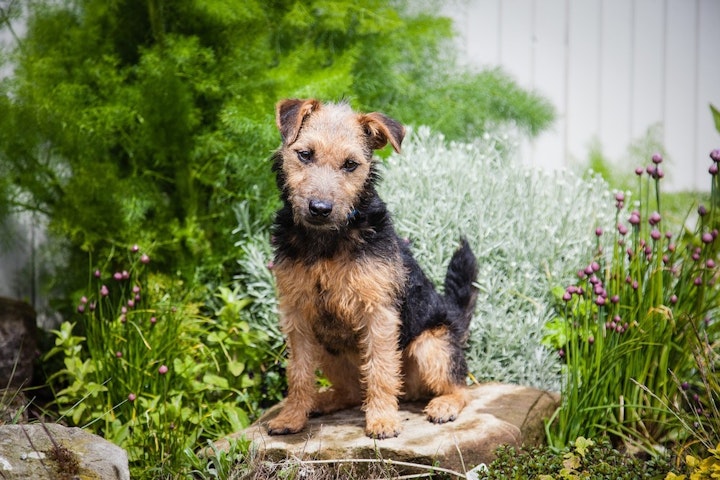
pixel 335 299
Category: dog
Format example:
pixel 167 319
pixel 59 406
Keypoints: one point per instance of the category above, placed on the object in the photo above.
pixel 353 301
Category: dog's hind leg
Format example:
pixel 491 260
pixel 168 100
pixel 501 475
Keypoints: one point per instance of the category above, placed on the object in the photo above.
pixel 439 368
pixel 344 375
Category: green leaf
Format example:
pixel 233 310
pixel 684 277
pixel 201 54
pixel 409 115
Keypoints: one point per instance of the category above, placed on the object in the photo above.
pixel 716 117
pixel 216 381
pixel 235 367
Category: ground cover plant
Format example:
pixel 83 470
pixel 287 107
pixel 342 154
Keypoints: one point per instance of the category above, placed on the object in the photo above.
pixel 637 330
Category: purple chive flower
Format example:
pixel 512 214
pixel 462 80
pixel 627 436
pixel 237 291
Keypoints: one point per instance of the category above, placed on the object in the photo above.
pixel 710 263
pixel 713 170
pixel 671 247
pixel 123 309
pixel 595 266
pixel 714 232
pixel 657 158
pixel 104 291
pixel 144 258
pixel 651 169
pixel 97 274
pixel 137 297
pixel 81 308
pixel 123 318
pixel 598 232
pixel 136 289
pixel 132 397
pixel 131 303
pixel 117 276
pixel 634 218
pixel 666 259
pixel 125 275
pixel 561 353
pixel 635 285
pixel 163 369
pixel 135 248
pixel 707 237
pixel 639 171
pixel 620 196
pixel 567 296
pixel 83 300
pixel 622 229
pixel 654 218
pixel 581 274
pixel 118 354
pixel 589 270
pixel 153 320
pixel 715 155
pixel 673 299
pixel 591 339
pixel 702 211
pixel 600 301
pixel 697 281
pixel 655 234
pixel 615 299
pixel 685 386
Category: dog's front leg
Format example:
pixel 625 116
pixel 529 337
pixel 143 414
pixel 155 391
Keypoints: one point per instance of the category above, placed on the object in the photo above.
pixel 301 385
pixel 381 374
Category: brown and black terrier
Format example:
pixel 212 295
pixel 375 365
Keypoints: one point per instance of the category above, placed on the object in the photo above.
pixel 354 303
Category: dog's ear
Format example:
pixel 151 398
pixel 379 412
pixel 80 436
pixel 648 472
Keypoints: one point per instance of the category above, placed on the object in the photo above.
pixel 382 129
pixel 289 116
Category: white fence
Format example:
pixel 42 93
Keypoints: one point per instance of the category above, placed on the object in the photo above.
pixel 612 68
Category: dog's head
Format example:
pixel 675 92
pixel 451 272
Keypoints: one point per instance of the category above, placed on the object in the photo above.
pixel 325 164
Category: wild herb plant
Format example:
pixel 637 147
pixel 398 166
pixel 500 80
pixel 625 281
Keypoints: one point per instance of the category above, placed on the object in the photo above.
pixel 146 368
pixel 628 325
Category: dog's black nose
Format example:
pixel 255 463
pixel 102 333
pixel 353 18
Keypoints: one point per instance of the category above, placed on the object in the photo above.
pixel 320 208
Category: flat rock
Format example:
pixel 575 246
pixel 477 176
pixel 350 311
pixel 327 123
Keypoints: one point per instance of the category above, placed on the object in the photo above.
pixel 52 452
pixel 498 414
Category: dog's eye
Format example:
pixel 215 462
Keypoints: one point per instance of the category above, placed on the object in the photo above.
pixel 305 156
pixel 349 165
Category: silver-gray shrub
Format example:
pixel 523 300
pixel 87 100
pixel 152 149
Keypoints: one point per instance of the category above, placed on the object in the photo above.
pixel 530 229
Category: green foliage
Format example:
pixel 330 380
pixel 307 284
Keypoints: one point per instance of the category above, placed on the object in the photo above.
pixel 146 369
pixel 628 327
pixel 582 458
pixel 145 121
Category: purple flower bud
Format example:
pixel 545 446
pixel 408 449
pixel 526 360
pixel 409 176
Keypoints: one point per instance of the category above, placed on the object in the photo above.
pixel 591 339
pixel 673 299
pixel 713 170
pixel 710 263
pixel 685 386
pixel 620 196
pixel 635 285
pixel 655 234
pixel 639 171
pixel 163 369
pixel 81 308
pixel 123 309
pixel 594 280
pixel 561 353
pixel 702 211
pixel 695 256
pixel 104 291
pixel 83 299
pixel 598 232
pixel 666 259
pixel 634 218
pixel 659 173
pixel 654 218
pixel 132 397
pixel 567 296
pixel 588 270
pixel 137 297
pixel 622 229
pixel 707 237
pixel 135 248
pixel 136 289
pixel 697 281
pixel 657 158
pixel 145 259
pixel 715 155
pixel 123 318
pixel 714 232
pixel 617 319
pixel 118 354
pixel 600 301
pixel 117 276
pixel 581 274
pixel 153 320
pixel 668 235
pixel 615 299
pixel 131 303
pixel 671 247
pixel 651 169
pixel 595 266
pixel 628 280
pixel 125 275
pixel 599 290
pixel 97 273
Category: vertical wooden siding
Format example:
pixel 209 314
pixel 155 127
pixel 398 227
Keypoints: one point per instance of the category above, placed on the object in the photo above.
pixel 612 68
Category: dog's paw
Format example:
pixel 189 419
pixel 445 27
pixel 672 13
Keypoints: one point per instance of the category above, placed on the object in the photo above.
pixel 383 427
pixel 285 424
pixel 440 410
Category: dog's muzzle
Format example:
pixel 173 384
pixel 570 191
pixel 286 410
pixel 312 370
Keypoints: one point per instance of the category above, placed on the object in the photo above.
pixel 320 209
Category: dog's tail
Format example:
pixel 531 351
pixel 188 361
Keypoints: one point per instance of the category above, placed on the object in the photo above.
pixel 459 284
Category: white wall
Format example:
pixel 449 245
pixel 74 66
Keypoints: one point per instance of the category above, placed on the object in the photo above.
pixel 612 68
